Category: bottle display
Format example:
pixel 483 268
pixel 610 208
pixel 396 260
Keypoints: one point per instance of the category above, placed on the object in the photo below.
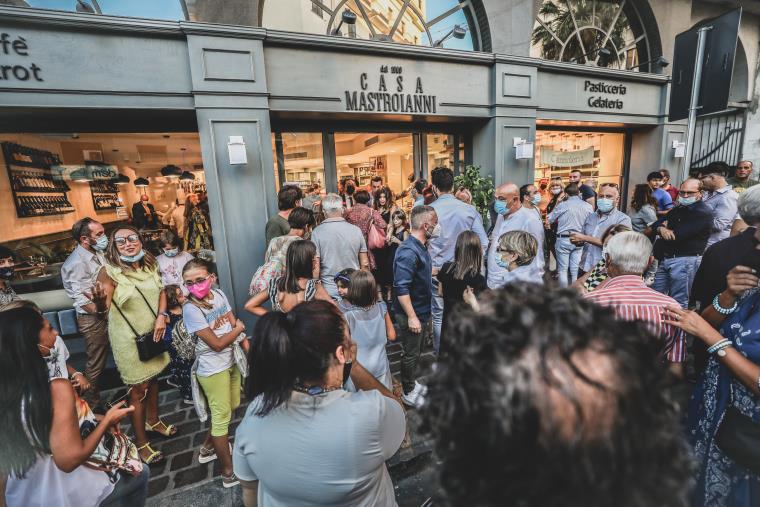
pixel 105 195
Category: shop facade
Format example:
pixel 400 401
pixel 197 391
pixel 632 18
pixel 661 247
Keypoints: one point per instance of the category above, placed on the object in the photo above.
pixel 307 109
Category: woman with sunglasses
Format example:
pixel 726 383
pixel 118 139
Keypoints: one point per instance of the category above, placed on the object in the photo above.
pixel 130 292
pixel 299 283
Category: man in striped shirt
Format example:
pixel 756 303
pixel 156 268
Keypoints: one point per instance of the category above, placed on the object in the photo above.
pixel 628 255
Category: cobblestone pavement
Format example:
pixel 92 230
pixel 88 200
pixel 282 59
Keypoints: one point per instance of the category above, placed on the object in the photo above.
pixel 180 480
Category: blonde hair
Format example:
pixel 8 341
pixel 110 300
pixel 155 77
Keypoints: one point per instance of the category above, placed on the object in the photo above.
pixel 114 257
pixel 521 243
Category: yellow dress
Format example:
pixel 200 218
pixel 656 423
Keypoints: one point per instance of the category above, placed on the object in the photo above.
pixel 132 370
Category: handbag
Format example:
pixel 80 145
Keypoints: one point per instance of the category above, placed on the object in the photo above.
pixel 116 452
pixel 375 238
pixel 147 348
pixel 739 438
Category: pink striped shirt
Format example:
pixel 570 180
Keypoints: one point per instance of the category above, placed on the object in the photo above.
pixel 633 300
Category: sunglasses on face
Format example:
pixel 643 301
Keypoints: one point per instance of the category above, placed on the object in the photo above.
pixel 132 238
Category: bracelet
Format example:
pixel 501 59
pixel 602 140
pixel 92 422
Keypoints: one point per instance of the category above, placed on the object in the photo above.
pixel 720 309
pixel 720 345
pixel 77 373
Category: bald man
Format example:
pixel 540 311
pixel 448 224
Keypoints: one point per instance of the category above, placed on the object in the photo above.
pixel 512 216
pixel 742 178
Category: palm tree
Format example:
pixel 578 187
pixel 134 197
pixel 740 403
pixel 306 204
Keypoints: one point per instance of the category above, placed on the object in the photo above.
pixel 556 25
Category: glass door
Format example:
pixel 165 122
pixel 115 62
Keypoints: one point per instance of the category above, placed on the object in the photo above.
pixel 361 156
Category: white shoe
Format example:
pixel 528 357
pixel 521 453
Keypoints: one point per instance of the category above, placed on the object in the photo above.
pixel 416 397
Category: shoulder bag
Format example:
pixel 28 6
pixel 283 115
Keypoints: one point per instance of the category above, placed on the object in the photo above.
pixel 375 238
pixel 739 438
pixel 147 348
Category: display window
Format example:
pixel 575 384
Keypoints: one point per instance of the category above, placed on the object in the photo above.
pixel 361 156
pixel 48 182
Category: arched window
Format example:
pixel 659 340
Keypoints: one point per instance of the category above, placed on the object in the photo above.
pixel 620 34
pixel 456 24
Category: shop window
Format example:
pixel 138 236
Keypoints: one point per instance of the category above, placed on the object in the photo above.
pixel 598 155
pixel 50 181
pixel 408 22
pixel 363 155
pixel 299 159
pixel 440 151
pixel 605 33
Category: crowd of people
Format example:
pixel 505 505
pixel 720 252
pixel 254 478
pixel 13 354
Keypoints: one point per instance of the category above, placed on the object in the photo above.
pixel 562 330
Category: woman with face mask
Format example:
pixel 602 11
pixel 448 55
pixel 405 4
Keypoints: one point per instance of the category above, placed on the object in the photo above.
pixel 515 253
pixel 130 292
pixel 47 433
pixel 330 445
pixel 7 269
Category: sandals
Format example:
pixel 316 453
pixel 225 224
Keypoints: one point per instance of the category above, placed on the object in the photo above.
pixel 168 431
pixel 153 457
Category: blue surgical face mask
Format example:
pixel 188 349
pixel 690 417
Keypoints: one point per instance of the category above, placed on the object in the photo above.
pixel 173 252
pixel 500 207
pixel 605 205
pixel 687 201
pixel 101 243
pixel 133 258
pixel 536 199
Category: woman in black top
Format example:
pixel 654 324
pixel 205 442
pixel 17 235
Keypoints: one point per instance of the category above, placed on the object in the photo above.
pixel 456 277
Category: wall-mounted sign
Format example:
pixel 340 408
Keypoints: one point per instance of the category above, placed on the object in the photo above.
pixel 85 172
pixel 604 101
pixel 567 158
pixel 390 93
pixel 14 47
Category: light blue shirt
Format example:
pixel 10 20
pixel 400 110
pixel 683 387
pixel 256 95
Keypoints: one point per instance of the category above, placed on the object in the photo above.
pixel 596 224
pixel 523 219
pixel 454 216
pixel 570 215
pixel 722 204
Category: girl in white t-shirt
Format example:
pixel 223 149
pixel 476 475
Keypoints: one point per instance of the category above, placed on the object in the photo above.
pixel 208 315
pixel 172 260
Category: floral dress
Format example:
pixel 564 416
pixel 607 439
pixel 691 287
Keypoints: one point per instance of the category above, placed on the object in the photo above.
pixel 363 216
pixel 198 231
pixel 720 481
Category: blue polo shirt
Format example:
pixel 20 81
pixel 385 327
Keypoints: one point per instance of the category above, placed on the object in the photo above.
pixel 412 276
pixel 664 201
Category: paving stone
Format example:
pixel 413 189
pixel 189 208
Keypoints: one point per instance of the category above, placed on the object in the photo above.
pixel 175 417
pixel 192 475
pixel 175 446
pixel 182 460
pixel 158 485
pixel 157 469
pixel 199 438
pixel 189 427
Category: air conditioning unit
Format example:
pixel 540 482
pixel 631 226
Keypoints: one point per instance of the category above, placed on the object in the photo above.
pixel 95 155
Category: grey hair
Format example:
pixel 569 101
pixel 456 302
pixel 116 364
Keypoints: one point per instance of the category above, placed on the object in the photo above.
pixel 749 205
pixel 522 243
pixel 332 205
pixel 420 216
pixel 629 251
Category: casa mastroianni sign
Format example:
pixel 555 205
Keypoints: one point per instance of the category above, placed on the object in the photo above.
pixel 11 48
pixel 604 95
pixel 390 93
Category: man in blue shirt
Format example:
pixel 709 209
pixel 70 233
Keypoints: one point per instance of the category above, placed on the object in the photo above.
pixel 454 217
pixel 413 288
pixel 664 201
pixel 570 216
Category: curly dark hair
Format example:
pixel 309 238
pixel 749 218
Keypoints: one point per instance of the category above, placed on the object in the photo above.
pixel 547 400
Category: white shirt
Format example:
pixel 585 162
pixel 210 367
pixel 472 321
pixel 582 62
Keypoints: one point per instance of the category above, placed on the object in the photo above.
pixel 528 274
pixel 171 268
pixel 523 219
pixel 79 274
pixel 197 319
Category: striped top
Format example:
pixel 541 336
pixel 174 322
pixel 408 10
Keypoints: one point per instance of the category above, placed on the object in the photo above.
pixel 633 300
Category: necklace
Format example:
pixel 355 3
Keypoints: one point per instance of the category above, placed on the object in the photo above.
pixel 314 390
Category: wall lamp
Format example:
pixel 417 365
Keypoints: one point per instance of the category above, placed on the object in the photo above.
pixel 660 62
pixel 457 32
pixel 348 17
pixel 603 54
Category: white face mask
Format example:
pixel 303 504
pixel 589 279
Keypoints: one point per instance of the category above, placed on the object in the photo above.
pixel 436 232
pixel 56 360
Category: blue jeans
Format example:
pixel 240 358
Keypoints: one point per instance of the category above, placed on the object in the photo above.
pixel 436 309
pixel 130 491
pixel 568 258
pixel 675 276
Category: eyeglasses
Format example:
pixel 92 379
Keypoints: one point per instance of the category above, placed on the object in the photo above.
pixel 188 283
pixel 132 238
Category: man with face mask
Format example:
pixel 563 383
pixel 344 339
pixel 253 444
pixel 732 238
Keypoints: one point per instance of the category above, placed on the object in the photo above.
pixel 512 216
pixel 79 274
pixel 597 223
pixel 7 268
pixel 531 198
pixel 681 239
pixel 144 214
pixel 413 289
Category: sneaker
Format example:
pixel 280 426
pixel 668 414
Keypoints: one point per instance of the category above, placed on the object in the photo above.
pixel 416 397
pixel 206 455
pixel 230 481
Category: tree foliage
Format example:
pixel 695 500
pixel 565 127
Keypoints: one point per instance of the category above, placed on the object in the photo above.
pixel 481 188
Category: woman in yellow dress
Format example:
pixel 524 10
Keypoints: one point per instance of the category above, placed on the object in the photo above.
pixel 129 290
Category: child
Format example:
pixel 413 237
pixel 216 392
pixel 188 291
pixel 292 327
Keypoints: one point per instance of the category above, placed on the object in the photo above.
pixel 182 360
pixel 172 260
pixel 342 281
pixel 207 314
pixel 369 324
